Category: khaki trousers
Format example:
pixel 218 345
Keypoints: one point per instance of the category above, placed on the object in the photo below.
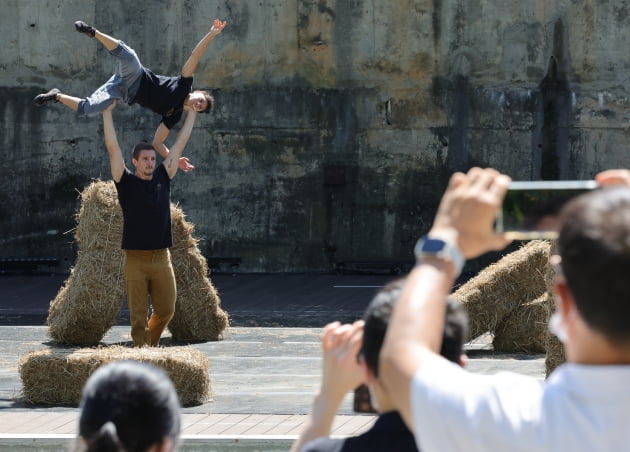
pixel 149 273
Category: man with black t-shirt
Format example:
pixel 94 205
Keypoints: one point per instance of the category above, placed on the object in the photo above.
pixel 350 356
pixel 145 201
pixel 136 84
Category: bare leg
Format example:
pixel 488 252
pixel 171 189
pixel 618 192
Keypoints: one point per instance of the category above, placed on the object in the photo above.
pixel 88 30
pixel 100 97
pixel 69 101
pixel 109 42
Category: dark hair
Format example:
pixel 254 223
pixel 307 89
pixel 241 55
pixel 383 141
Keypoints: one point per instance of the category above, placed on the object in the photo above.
pixel 142 146
pixel 377 317
pixel 209 101
pixel 594 244
pixel 130 406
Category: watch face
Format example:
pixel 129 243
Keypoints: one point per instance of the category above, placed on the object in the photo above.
pixel 432 246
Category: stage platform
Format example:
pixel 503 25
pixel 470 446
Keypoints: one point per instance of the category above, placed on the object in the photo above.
pixel 264 374
pixel 278 299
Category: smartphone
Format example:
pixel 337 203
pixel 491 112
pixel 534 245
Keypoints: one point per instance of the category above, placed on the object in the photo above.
pixel 362 401
pixel 530 208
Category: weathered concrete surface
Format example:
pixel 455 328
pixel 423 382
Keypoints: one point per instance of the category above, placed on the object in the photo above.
pixel 263 379
pixel 253 370
pixel 337 122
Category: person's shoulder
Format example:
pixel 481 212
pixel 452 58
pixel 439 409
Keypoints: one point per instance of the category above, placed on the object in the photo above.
pixel 186 82
pixel 124 177
pixel 161 172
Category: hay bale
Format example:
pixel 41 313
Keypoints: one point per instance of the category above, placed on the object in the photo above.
pixel 499 289
pixel 57 376
pixel 553 347
pixel 87 305
pixel 525 329
pixel 198 315
pixel 555 354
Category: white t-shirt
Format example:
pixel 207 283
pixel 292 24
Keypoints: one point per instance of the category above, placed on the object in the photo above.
pixel 579 408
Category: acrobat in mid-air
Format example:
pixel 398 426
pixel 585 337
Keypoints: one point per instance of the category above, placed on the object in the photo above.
pixel 135 84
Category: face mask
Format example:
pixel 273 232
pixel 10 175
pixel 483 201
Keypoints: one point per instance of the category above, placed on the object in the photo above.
pixel 557 328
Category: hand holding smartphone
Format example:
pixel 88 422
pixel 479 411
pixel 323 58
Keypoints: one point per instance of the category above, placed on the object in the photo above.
pixel 530 208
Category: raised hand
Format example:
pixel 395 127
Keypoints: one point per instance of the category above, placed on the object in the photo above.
pixel 112 106
pixel 218 26
pixel 614 177
pixel 340 346
pixel 184 165
pixel 468 209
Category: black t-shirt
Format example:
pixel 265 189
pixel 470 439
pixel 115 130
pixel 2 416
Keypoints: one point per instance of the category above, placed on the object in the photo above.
pixel 389 433
pixel 146 206
pixel 163 95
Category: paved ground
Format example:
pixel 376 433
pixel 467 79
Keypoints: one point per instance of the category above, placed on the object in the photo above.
pixel 263 378
pixel 263 381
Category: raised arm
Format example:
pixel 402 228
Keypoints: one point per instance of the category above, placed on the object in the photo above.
pixel 159 138
pixel 341 374
pixel 172 160
pixel 116 159
pixel 464 220
pixel 193 60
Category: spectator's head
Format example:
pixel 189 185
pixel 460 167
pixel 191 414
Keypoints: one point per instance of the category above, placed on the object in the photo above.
pixel 376 320
pixel 594 250
pixel 129 406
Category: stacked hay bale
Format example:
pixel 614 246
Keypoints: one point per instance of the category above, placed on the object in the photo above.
pixel 57 376
pixel 555 353
pixel 554 349
pixel 525 330
pixel 508 293
pixel 198 315
pixel 87 305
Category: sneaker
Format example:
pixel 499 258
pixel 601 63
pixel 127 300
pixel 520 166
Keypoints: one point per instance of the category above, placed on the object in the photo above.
pixel 84 28
pixel 41 99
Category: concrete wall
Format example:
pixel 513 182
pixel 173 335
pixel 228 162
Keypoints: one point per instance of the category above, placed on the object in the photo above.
pixel 337 122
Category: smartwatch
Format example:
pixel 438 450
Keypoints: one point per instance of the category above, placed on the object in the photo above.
pixel 427 246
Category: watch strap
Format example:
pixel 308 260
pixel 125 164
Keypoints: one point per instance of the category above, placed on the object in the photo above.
pixel 434 247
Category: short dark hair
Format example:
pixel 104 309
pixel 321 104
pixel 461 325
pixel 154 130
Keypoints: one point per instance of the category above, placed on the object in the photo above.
pixel 142 146
pixel 128 405
pixel 209 100
pixel 377 317
pixel 594 246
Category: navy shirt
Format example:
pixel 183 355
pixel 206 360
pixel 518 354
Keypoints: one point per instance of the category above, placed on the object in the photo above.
pixel 163 95
pixel 389 433
pixel 146 206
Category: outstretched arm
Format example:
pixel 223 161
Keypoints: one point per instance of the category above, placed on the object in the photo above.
pixel 158 143
pixel 172 160
pixel 116 159
pixel 341 374
pixel 193 60
pixel 465 220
